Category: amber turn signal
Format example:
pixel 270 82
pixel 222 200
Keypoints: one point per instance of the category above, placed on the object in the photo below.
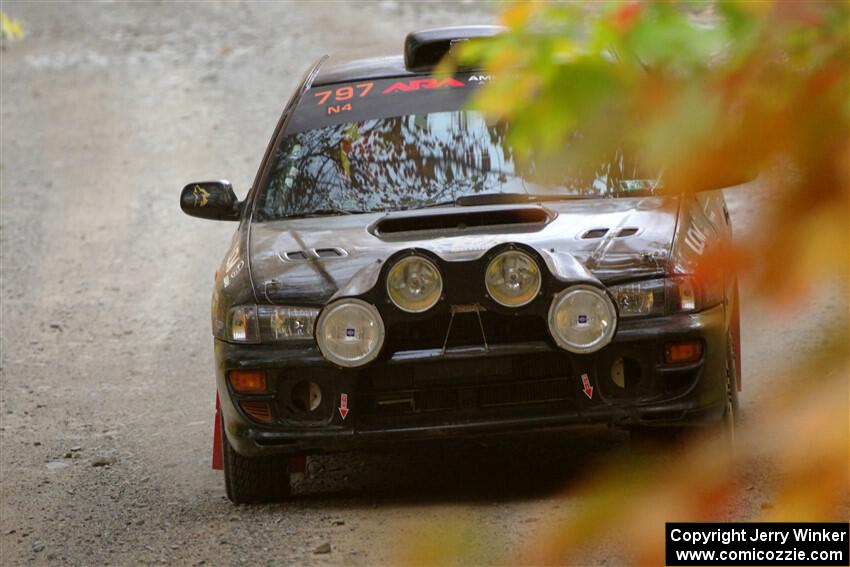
pixel 248 381
pixel 678 353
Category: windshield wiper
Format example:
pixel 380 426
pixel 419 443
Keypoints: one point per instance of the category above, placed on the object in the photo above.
pixel 325 213
pixel 513 198
pixel 500 199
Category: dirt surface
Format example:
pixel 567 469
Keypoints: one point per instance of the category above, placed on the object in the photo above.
pixel 107 374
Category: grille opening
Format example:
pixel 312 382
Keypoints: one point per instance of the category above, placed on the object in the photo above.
pixel 534 218
pixel 595 233
pixel 465 331
pixel 395 405
pixel 485 385
pixel 524 393
pixel 298 255
pixel 624 232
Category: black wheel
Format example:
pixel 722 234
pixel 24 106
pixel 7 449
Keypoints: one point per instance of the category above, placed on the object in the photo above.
pixel 254 479
pixel 730 411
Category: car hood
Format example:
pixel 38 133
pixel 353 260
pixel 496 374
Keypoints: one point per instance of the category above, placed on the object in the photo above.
pixel 306 261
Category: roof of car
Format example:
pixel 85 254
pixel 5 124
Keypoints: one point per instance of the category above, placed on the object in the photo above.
pixel 337 69
pixel 422 51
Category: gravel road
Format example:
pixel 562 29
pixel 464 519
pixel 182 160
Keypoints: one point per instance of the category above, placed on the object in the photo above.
pixel 106 374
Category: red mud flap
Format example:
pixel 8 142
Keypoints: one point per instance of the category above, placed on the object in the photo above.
pixel 217 457
pixel 297 463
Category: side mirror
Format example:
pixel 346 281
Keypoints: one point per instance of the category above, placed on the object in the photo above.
pixel 210 200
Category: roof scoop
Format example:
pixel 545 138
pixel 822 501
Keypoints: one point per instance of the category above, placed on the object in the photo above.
pixel 424 49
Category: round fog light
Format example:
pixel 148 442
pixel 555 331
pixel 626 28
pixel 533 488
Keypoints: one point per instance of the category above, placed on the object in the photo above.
pixel 350 332
pixel 414 284
pixel 513 278
pixel 582 319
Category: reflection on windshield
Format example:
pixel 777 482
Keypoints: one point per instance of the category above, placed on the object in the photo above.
pixel 414 161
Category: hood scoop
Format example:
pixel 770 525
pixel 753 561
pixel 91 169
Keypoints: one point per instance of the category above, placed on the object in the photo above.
pixel 455 222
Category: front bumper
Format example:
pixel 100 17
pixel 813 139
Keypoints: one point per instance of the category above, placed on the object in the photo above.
pixel 469 391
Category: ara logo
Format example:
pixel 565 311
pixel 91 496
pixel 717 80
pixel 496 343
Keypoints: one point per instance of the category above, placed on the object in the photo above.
pixel 695 239
pixel 417 84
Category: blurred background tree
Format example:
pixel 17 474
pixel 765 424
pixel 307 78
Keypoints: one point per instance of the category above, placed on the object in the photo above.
pixel 711 95
pixel 10 29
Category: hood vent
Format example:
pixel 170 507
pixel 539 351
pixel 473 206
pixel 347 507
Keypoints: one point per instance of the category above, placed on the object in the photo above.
pixel 312 253
pixel 328 252
pixel 527 218
pixel 595 233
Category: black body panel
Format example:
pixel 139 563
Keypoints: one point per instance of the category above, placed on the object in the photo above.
pixel 471 390
pixel 499 374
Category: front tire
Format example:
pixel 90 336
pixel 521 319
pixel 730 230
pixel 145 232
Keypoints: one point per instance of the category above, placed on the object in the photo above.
pixel 730 411
pixel 250 480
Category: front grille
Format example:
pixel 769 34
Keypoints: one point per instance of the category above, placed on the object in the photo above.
pixel 467 386
pixel 523 393
pixel 465 331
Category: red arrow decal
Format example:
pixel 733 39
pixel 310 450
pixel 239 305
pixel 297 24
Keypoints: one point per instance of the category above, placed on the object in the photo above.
pixel 588 389
pixel 343 405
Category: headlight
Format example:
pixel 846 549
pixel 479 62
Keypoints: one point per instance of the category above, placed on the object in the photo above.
pixel 350 332
pixel 640 298
pixel 664 296
pixel 513 278
pixel 269 323
pixel 414 284
pixel 286 323
pixel 582 319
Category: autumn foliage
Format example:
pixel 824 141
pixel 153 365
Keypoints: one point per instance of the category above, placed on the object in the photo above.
pixel 712 95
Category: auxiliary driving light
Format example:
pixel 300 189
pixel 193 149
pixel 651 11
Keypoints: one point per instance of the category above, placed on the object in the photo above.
pixel 582 319
pixel 414 284
pixel 350 332
pixel 513 278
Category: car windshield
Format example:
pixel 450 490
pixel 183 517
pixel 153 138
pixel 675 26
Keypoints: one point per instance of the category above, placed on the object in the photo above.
pixel 345 153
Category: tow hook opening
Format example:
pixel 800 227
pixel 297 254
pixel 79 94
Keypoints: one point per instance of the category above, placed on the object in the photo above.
pixel 626 374
pixel 306 396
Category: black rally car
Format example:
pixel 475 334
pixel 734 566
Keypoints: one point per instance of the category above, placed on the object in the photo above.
pixel 396 275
